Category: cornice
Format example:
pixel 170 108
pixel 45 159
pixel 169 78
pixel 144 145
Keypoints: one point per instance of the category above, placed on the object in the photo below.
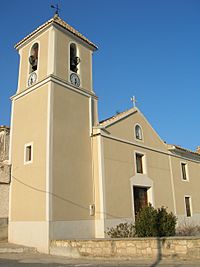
pixel 100 132
pixel 57 80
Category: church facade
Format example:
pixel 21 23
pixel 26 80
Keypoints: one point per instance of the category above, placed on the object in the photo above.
pixel 73 176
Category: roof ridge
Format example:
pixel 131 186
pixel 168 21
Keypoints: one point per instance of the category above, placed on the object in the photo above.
pixel 103 122
pixel 62 23
pixel 184 149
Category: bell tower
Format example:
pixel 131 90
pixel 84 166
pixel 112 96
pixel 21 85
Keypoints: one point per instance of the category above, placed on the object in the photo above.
pixel 55 48
pixel 53 112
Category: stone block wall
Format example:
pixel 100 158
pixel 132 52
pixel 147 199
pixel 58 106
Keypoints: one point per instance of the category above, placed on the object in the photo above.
pixel 154 248
pixel 4 200
pixel 4 143
pixel 5 175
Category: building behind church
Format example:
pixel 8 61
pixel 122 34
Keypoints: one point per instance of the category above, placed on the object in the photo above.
pixel 73 176
pixel 4 180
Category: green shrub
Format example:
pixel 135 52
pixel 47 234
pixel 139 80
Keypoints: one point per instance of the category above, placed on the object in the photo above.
pixel 122 230
pixel 152 222
pixel 149 222
pixel 166 222
pixel 146 222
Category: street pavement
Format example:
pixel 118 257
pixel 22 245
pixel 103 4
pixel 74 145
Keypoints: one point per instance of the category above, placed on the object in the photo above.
pixel 31 259
pixel 14 256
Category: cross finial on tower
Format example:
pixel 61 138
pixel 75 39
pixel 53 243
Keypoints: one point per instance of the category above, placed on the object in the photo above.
pixel 133 100
pixel 56 7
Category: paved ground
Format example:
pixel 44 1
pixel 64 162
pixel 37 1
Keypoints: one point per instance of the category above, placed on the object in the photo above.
pixel 35 260
pixel 15 256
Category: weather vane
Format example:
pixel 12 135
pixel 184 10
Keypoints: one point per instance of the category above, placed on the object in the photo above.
pixel 56 7
pixel 133 100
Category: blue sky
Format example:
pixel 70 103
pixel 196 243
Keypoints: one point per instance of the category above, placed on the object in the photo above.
pixel 147 48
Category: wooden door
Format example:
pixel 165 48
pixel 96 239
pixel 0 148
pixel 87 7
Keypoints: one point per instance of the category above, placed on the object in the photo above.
pixel 140 198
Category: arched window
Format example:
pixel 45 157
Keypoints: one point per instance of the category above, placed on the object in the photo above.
pixel 33 58
pixel 138 132
pixel 74 59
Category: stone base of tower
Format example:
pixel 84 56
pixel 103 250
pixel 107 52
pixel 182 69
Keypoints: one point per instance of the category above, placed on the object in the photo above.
pixel 31 234
pixel 39 233
pixel 72 229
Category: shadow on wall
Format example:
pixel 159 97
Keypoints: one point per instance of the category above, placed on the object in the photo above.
pixel 159 252
pixel 160 246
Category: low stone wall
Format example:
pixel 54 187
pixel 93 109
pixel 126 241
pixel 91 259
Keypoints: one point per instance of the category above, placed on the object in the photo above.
pixel 155 248
pixel 4 200
pixel 3 228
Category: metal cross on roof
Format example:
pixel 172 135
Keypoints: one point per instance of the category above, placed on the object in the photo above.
pixel 56 7
pixel 133 100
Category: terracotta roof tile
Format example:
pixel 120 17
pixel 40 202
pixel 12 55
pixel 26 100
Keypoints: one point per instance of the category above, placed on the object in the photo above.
pixel 57 20
pixel 116 117
pixel 172 147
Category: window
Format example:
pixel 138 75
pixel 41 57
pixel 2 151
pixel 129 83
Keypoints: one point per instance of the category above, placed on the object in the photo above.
pixel 28 153
pixel 74 59
pixel 184 171
pixel 188 206
pixel 33 58
pixel 139 163
pixel 138 132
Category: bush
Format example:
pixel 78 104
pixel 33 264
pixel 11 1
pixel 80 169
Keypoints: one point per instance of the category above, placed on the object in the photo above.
pixel 166 222
pixel 186 229
pixel 122 230
pixel 146 222
pixel 152 222
pixel 149 222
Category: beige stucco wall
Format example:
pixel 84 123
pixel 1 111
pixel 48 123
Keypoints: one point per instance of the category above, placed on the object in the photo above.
pixel 69 164
pixel 125 129
pixel 161 167
pixel 186 188
pixel 158 168
pixel 24 52
pixel 72 183
pixel 62 62
pixel 29 180
pixel 120 167
pixel 96 168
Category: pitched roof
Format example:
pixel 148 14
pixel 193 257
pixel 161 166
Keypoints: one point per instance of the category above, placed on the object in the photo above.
pixel 176 147
pixel 117 117
pixel 121 115
pixel 57 20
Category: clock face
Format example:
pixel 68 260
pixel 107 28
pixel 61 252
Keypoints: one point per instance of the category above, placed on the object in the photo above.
pixel 32 78
pixel 75 79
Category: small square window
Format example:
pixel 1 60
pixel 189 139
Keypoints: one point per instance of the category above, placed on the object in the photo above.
pixel 28 153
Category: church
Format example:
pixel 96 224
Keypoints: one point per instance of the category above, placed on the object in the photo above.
pixel 71 175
